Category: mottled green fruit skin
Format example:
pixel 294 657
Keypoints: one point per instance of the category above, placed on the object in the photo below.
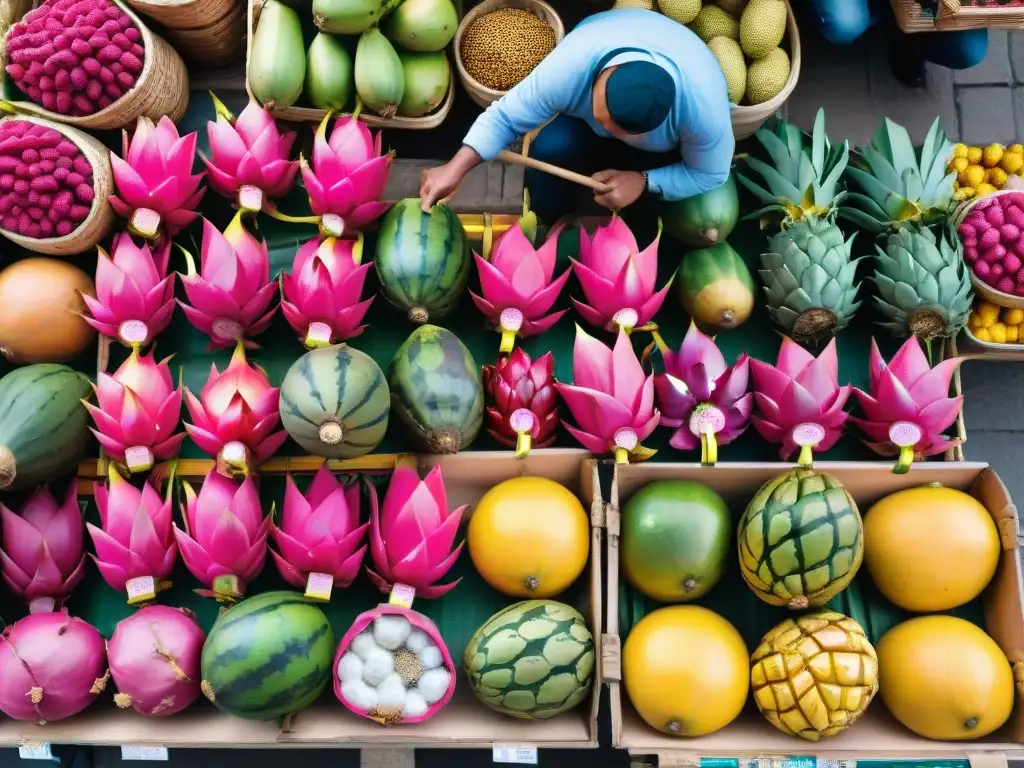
pixel 436 390
pixel 379 78
pixel 268 656
pixel 422 25
pixel 329 78
pixel 44 427
pixel 346 17
pixel 703 219
pixel 675 540
pixel 427 78
pixel 532 661
pixel 277 65
pixel 422 259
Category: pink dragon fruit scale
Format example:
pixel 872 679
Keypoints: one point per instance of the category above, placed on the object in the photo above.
pixel 156 190
pixel 523 410
pixel 908 406
pixel 611 399
pixel 42 558
pixel 134 294
pixel 617 278
pixel 235 415
pixel 320 299
pixel 799 400
pixel 705 400
pixel 249 156
pixel 135 547
pixel 230 295
pixel 224 542
pixel 320 539
pixel 138 408
pixel 392 665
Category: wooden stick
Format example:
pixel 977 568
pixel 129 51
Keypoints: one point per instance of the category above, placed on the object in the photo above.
pixel 514 159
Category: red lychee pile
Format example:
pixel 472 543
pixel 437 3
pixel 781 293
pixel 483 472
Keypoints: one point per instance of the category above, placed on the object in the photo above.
pixel 993 238
pixel 75 57
pixel 45 181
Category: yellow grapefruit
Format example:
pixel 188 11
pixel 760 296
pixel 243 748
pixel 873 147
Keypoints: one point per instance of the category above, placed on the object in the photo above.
pixel 930 548
pixel 685 670
pixel 944 678
pixel 529 537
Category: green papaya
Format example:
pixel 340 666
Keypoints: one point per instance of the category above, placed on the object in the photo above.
pixel 436 390
pixel 277 64
pixel 715 287
pixel 380 80
pixel 703 219
pixel 422 25
pixel 346 17
pixel 427 77
pixel 328 73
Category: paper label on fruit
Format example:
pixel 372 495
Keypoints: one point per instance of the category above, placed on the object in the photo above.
pixel 403 595
pixel 905 434
pixel 522 420
pixel 808 434
pixel 226 328
pixel 42 605
pixel 511 319
pixel 138 458
pixel 319 586
pixel 133 332
pixel 706 419
pixel 318 335
pixel 141 589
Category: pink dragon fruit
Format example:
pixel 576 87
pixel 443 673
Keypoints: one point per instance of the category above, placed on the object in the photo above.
pixel 230 294
pixel 320 535
pixel 156 190
pixel 224 543
pixel 138 410
pixel 909 405
pixel 235 416
pixel 617 278
pixel 320 298
pixel 43 556
pixel 799 400
pixel 135 549
pixel 524 404
pixel 154 658
pixel 134 294
pixel 348 176
pixel 517 284
pixel 52 666
pixel 250 156
pixel 703 398
pixel 411 542
pixel 610 398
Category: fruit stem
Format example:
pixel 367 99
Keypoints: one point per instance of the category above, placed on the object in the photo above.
pixel 806 457
pixel 487 238
pixel 708 447
pixel 331 432
pixel 621 456
pixel 418 315
pixel 524 442
pixel 906 458
pixel 7 468
pixel 508 341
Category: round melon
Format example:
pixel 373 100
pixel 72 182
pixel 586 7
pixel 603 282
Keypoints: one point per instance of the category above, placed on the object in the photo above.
pixel 704 219
pixel 427 78
pixel 335 402
pixel 268 656
pixel 422 25
pixel 674 540
pixel 715 288
pixel 801 540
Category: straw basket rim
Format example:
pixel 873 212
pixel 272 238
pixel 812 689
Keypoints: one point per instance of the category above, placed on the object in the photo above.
pixel 185 14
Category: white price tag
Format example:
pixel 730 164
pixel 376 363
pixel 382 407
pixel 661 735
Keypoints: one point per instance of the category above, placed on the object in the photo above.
pixel 39 751
pixel 506 753
pixel 129 752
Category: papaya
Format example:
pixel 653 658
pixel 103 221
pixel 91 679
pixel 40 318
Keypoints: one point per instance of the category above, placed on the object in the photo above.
pixel 380 80
pixel 328 73
pixel 715 287
pixel 346 17
pixel 427 77
pixel 703 219
pixel 277 66
pixel 436 390
pixel 422 25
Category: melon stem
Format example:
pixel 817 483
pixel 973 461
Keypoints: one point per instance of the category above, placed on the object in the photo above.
pixel 906 458
pixel 524 442
pixel 8 468
pixel 708 448
pixel 806 457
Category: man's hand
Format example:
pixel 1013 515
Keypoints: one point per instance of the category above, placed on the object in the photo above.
pixel 437 184
pixel 624 188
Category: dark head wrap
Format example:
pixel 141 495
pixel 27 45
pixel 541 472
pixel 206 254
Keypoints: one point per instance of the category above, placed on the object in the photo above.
pixel 640 95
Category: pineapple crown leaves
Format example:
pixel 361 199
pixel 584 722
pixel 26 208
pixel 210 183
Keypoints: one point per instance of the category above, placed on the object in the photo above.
pixel 801 180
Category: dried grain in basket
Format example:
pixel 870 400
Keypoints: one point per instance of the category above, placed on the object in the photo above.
pixel 100 220
pixel 981 288
pixel 480 94
pixel 162 89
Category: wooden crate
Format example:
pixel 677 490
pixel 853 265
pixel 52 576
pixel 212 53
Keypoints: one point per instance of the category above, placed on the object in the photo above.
pixel 955 15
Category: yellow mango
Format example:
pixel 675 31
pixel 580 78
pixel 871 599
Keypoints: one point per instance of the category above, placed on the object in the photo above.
pixel 992 155
pixel 987 312
pixel 1013 316
pixel 997 331
pixel 974 155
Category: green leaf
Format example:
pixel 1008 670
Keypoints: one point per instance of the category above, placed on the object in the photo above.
pixel 818 140
pixel 901 147
pixel 881 169
pixel 779 154
pixel 757 190
pixel 779 186
pixel 861 219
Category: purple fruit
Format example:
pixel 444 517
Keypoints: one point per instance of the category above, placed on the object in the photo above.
pixel 970 254
pixel 994 215
pixel 1008 233
pixel 1015 216
pixel 989 238
pixel 1011 263
pixel 967 231
pixel 982 269
pixel 996 272
pixel 1005 284
pixel 995 254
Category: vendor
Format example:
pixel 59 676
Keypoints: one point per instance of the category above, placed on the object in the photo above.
pixel 638 100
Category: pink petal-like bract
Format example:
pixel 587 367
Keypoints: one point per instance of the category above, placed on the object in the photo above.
pixel 523 410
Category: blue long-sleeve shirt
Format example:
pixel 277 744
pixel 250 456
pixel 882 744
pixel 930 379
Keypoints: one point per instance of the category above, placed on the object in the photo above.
pixel 699 124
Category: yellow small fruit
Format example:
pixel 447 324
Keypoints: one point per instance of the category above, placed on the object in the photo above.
pixel 1013 316
pixel 998 333
pixel 981 334
pixel 972 176
pixel 996 177
pixel 992 155
pixel 984 189
pixel 987 312
pixel 974 155
pixel 1017 149
pixel 1012 334
pixel 959 164
pixel 959 150
pixel 963 193
pixel 1012 162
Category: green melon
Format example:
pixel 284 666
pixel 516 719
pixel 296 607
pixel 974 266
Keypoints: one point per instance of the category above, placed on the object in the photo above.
pixel 268 656
pixel 335 402
pixel 44 428
pixel 427 79
pixel 801 540
pixel 533 660
pixel 703 219
pixel 423 259
pixel 436 390
pixel 422 25
pixel 715 288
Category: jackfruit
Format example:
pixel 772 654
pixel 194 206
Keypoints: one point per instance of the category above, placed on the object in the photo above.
pixel 730 59
pixel 683 11
pixel 767 76
pixel 732 7
pixel 762 27
pixel 647 5
pixel 712 21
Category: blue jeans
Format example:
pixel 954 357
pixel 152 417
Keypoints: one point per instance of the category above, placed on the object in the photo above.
pixel 843 21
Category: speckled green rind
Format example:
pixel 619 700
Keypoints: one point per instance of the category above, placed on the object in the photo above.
pixel 532 661
pixel 436 386
pixel 423 260
pixel 801 539
pixel 339 384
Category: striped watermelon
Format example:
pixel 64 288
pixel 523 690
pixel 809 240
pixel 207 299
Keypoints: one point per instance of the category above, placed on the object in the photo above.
pixel 423 259
pixel 436 390
pixel 268 656
pixel 44 429
pixel 335 402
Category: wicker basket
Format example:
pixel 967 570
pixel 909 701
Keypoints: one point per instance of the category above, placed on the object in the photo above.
pixel 208 32
pixel 162 89
pixel 481 94
pixel 981 288
pixel 100 220
pixel 746 120
pixel 955 15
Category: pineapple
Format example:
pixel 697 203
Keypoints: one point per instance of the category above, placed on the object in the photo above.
pixel 808 273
